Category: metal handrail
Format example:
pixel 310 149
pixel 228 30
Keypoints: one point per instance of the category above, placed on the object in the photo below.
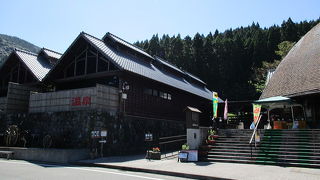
pixel 170 137
pixel 253 135
pixel 255 129
pixel 163 141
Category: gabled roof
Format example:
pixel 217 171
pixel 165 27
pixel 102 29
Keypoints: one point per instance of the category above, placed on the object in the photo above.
pixel 299 72
pixel 136 65
pixel 145 69
pixel 125 43
pixel 51 53
pixel 158 59
pixel 175 68
pixel 195 78
pixel 36 64
pixel 167 64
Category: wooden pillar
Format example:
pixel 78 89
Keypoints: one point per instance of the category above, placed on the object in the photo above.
pixel 11 72
pixel 86 62
pixel 97 61
pixel 75 67
pixel 25 74
pixel 18 72
pixel 292 115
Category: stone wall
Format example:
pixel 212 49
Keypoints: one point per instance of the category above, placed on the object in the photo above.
pixel 99 97
pixel 48 154
pixel 18 98
pixel 3 102
pixel 73 130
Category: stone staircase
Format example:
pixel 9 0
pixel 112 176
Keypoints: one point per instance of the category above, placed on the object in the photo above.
pixel 299 148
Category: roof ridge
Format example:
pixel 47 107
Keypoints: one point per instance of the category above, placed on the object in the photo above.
pixel 192 75
pixel 182 70
pixel 126 41
pixel 51 50
pixel 25 51
pixel 168 62
pixel 84 33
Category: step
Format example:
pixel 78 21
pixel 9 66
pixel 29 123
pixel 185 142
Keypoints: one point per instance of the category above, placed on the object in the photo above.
pixel 231 160
pixel 277 147
pixel 265 144
pixel 313 142
pixel 275 155
pixel 264 152
pixel 308 165
pixel 290 137
pixel 259 158
pixel 267 148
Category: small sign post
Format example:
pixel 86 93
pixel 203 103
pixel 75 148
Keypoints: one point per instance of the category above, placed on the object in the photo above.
pixel 95 134
pixel 148 137
pixel 103 134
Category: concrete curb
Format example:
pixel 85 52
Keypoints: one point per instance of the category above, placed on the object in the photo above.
pixel 168 173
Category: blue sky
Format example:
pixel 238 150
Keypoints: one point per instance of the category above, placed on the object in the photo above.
pixel 55 24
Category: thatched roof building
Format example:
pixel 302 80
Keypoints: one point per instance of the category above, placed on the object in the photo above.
pixel 298 76
pixel 299 72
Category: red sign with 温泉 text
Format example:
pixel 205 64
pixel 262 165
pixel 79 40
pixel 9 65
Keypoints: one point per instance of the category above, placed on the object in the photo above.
pixel 81 101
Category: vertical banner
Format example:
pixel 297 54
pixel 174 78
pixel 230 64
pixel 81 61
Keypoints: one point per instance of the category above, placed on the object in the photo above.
pixel 225 115
pixel 215 104
pixel 256 112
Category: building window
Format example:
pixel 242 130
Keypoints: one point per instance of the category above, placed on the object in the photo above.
pixel 161 94
pixel 155 92
pixel 147 91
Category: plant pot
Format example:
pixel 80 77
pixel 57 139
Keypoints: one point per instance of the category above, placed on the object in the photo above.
pixel 204 148
pixel 213 136
pixel 153 155
pixel 202 153
pixel 211 142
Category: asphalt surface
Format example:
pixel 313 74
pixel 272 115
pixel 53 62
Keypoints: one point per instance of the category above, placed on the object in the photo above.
pixel 24 170
pixel 203 170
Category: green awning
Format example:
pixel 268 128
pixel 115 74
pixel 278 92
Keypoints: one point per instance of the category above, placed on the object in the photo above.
pixel 276 102
pixel 274 99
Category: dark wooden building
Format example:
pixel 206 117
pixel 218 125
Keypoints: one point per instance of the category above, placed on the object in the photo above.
pixel 148 86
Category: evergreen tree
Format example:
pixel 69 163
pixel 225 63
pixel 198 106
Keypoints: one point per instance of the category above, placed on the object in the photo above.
pixel 233 62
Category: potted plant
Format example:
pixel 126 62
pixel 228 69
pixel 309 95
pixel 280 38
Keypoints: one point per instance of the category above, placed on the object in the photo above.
pixel 154 154
pixel 211 137
pixel 185 147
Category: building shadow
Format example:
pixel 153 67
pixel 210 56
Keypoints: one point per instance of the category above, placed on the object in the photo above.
pixel 203 163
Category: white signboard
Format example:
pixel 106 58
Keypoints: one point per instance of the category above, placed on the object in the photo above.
pixel 192 155
pixel 95 134
pixel 148 137
pixel 104 133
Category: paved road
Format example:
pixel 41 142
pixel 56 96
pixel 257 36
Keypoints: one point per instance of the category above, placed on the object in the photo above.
pixel 14 169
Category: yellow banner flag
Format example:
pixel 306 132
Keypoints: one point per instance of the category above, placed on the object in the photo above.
pixel 215 104
pixel 256 112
